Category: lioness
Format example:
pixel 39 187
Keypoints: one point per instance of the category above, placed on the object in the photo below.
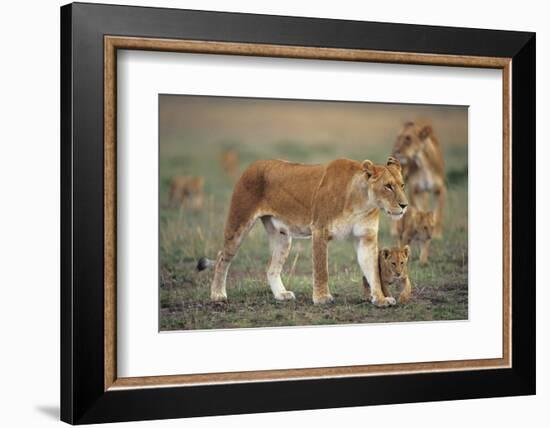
pixel 418 149
pixel 392 265
pixel 335 201
pixel 187 191
pixel 418 226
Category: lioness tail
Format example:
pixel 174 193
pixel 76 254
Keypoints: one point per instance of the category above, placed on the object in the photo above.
pixel 205 263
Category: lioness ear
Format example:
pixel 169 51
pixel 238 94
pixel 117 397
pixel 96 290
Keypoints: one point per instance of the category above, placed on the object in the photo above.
pixel 368 167
pixel 393 161
pixel 425 132
pixel 385 253
pixel 406 250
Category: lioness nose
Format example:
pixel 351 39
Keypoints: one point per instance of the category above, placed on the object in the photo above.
pixel 403 206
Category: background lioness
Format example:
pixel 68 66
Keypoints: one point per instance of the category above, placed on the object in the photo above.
pixel 339 200
pixel 418 149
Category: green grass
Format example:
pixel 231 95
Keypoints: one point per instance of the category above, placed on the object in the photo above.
pixel 440 290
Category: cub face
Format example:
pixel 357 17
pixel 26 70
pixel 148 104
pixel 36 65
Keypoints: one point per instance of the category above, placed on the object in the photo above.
pixel 424 225
pixel 410 141
pixel 386 187
pixel 187 190
pixel 393 264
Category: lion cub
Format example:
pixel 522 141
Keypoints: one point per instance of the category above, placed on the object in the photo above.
pixel 418 226
pixel 230 163
pixel 392 266
pixel 187 191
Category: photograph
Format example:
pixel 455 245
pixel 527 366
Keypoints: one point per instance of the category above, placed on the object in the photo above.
pixel 292 212
pixel 280 210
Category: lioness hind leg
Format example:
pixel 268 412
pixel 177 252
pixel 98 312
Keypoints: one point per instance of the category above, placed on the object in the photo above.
pixel 279 243
pixel 232 242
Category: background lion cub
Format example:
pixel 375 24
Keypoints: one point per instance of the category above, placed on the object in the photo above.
pixel 392 265
pixel 418 149
pixel 418 226
pixel 187 191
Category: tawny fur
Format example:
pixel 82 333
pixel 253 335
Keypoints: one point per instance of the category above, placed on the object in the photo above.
pixel 417 226
pixel 419 151
pixel 230 163
pixel 338 200
pixel 393 268
pixel 187 191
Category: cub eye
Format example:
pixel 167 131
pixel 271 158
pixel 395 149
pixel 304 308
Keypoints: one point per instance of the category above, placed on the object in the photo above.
pixel 403 186
pixel 389 187
pixel 394 264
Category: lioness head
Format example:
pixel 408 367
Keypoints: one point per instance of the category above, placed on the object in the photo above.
pixel 393 263
pixel 386 187
pixel 424 222
pixel 410 141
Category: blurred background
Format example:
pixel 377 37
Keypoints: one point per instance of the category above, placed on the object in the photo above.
pixel 217 137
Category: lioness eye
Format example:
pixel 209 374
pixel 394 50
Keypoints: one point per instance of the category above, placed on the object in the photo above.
pixel 389 187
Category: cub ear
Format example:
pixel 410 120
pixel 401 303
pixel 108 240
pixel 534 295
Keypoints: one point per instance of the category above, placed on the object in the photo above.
pixel 368 167
pixel 393 161
pixel 385 253
pixel 425 132
pixel 407 251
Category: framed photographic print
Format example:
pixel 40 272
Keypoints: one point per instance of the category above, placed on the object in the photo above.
pixel 276 213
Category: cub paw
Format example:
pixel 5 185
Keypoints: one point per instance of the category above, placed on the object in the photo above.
pixel 323 300
pixel 285 295
pixel 404 298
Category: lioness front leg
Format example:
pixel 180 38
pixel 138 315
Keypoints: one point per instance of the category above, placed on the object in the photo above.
pixel 367 256
pixel 417 198
pixel 321 293
pixel 366 289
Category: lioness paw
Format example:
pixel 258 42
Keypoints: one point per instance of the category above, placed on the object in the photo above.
pixel 323 300
pixel 383 302
pixel 218 297
pixel 285 295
